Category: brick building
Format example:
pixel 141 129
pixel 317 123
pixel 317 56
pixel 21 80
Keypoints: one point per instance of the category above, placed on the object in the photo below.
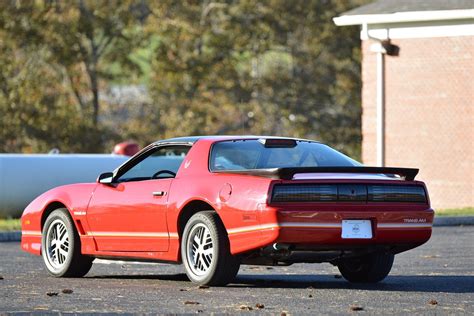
pixel 418 91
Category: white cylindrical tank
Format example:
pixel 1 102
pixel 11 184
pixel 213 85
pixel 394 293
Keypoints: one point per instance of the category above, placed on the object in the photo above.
pixel 24 177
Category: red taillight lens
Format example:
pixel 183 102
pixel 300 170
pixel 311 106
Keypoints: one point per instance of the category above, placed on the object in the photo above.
pixel 396 193
pixel 348 193
pixel 304 193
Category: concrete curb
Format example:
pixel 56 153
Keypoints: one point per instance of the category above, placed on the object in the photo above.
pixel 454 221
pixel 10 236
pixel 439 221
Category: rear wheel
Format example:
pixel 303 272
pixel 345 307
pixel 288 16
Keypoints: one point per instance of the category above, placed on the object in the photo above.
pixel 368 269
pixel 61 247
pixel 205 251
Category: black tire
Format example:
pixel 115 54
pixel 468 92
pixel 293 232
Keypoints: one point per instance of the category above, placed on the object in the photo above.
pixel 223 266
pixel 74 264
pixel 372 268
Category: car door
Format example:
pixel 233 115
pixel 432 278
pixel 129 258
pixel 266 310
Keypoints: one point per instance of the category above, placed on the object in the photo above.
pixel 130 213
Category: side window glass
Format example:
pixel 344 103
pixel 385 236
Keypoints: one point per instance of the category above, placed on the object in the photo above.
pixel 162 163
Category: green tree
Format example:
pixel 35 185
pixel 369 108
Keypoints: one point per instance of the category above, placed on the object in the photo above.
pixel 34 111
pixel 272 67
pixel 211 67
pixel 83 43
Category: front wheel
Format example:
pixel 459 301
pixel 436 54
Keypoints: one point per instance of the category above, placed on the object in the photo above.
pixel 205 251
pixel 372 268
pixel 61 247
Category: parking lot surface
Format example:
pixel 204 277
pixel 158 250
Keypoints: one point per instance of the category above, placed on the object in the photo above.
pixel 436 278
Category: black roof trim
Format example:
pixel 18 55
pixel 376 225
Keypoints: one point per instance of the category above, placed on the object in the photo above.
pixel 187 139
pixel 193 139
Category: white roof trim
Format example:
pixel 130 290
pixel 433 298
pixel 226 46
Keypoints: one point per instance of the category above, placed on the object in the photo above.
pixel 414 16
pixel 418 32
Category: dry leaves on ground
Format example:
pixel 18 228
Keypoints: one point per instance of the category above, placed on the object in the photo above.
pixel 356 308
pixel 246 307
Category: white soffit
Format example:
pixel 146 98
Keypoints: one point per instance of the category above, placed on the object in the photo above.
pixel 416 31
pixel 416 24
pixel 399 17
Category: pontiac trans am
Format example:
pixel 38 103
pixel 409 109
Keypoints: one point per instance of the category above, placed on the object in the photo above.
pixel 216 202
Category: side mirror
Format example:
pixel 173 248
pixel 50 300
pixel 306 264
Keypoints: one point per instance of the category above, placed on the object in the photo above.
pixel 106 178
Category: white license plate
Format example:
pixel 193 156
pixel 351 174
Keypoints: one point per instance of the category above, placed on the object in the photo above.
pixel 356 229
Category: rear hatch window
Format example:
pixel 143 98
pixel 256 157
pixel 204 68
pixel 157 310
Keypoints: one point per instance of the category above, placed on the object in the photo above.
pixel 275 153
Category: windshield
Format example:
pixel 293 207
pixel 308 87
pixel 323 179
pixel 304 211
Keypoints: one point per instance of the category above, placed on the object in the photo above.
pixel 253 154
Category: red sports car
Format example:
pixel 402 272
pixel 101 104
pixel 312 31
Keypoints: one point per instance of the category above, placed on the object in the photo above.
pixel 215 202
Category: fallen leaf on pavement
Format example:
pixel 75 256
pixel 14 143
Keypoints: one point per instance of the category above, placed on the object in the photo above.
pixel 245 308
pixel 52 293
pixel 191 303
pixel 67 291
pixel 356 308
pixel 259 306
pixel 433 302
pixel 41 308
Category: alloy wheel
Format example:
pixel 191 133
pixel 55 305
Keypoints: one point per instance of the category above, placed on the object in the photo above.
pixel 57 242
pixel 200 249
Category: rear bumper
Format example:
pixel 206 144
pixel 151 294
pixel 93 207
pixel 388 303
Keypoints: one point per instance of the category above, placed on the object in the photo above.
pixel 326 228
pixel 308 228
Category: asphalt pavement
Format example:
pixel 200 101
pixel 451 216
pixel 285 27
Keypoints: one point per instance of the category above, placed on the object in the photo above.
pixel 436 278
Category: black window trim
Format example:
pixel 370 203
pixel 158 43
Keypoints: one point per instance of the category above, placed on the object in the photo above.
pixel 142 155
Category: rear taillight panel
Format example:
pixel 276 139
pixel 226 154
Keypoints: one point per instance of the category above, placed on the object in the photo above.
pixel 396 193
pixel 283 193
pixel 304 193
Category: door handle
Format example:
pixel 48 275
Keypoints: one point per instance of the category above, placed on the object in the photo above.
pixel 159 193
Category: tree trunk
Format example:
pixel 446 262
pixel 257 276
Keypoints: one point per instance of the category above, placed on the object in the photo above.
pixel 95 97
pixel 91 67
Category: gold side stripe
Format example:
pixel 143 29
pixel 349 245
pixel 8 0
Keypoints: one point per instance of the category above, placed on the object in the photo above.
pixel 321 225
pixel 251 228
pixel 404 225
pixel 31 233
pixel 312 225
pixel 113 234
pixel 287 224
pixel 242 229
pixel 132 234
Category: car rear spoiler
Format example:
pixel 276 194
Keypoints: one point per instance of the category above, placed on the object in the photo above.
pixel 408 174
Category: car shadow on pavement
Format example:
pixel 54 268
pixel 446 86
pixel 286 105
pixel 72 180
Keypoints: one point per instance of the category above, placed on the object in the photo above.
pixel 405 283
pixel 163 277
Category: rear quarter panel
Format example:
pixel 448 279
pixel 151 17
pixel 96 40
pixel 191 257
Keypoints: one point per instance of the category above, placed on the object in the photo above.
pixel 236 198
